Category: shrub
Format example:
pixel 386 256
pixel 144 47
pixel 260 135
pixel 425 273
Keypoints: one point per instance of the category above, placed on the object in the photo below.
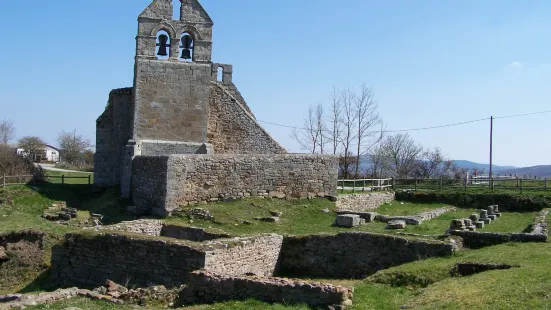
pixel 12 164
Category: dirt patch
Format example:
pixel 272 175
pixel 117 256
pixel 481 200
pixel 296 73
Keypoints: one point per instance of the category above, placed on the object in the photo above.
pixel 467 269
pixel 22 259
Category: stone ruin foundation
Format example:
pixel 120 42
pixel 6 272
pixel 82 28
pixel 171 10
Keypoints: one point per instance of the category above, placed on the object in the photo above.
pixel 466 229
pixel 233 268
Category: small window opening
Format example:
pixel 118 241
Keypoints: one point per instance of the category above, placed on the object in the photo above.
pixel 220 74
pixel 163 45
pixel 186 47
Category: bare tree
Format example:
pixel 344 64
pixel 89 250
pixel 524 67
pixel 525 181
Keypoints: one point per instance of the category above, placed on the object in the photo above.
pixel 7 131
pixel 321 127
pixel 32 147
pixel 335 120
pixel 72 147
pixel 367 119
pixel 349 118
pixel 477 171
pixel 312 135
pixel 430 164
pixel 401 155
pixel 377 162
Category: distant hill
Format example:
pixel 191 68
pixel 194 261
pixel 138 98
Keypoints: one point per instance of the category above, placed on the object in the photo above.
pixel 470 165
pixel 538 171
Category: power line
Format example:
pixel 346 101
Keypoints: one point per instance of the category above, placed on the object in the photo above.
pixel 519 115
pixel 424 128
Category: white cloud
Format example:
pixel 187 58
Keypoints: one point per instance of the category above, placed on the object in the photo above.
pixel 516 64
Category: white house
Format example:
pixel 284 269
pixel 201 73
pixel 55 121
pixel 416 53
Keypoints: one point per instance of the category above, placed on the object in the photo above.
pixel 48 153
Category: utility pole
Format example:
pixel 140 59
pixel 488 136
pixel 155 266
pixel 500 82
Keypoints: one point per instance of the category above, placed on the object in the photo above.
pixel 491 146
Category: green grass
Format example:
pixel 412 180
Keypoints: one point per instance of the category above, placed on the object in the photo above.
pixel 70 177
pixel 403 208
pixel 427 284
pixel 423 284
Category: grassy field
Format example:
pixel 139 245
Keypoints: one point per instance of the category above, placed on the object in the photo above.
pixel 423 284
pixel 55 177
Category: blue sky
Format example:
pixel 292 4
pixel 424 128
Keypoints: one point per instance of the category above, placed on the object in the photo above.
pixel 429 63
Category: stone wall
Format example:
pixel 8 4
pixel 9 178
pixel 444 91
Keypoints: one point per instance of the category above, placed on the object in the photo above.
pixel 232 129
pixel 149 183
pixel 113 129
pixel 162 184
pixel 476 240
pixel 363 202
pixel 208 287
pixel 253 255
pixel 90 259
pixel 158 228
pixel 171 100
pixel 353 255
pixel 159 148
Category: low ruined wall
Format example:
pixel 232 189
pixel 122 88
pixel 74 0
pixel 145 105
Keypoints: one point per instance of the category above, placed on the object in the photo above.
pixel 90 259
pixel 164 183
pixel 247 255
pixel 190 233
pixel 145 227
pixel 476 240
pixel 160 229
pixel 353 255
pixel 207 287
pixel 363 202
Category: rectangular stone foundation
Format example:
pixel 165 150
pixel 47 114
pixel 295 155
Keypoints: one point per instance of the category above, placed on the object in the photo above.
pixel 162 184
pixel 207 287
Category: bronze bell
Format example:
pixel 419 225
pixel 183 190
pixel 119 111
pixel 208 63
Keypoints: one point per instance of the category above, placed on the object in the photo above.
pixel 187 47
pixel 163 39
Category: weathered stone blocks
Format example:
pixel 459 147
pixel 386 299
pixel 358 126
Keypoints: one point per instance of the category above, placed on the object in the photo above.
pixel 162 184
pixel 396 224
pixel 208 287
pixel 347 220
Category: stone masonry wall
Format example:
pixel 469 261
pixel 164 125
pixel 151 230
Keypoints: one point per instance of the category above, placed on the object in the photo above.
pixel 171 100
pixel 231 129
pixel 197 178
pixel 363 202
pixel 254 255
pixel 149 182
pixel 90 259
pixel 159 148
pixel 208 287
pixel 113 129
pixel 353 255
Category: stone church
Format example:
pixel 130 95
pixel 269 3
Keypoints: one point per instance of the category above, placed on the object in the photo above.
pixel 181 102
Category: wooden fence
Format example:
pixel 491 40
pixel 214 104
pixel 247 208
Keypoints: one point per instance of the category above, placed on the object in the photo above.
pixel 362 185
pixel 492 184
pixel 8 180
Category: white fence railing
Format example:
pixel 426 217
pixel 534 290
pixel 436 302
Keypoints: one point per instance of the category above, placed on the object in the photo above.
pixel 363 185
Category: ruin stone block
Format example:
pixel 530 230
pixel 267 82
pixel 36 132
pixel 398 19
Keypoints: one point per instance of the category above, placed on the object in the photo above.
pixel 483 214
pixel 487 220
pixel 347 220
pixel 396 224
pixel 493 217
pixel 474 217
pixel 479 224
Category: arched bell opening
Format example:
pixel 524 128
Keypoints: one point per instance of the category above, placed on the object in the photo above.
pixel 187 45
pixel 220 74
pixel 162 49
